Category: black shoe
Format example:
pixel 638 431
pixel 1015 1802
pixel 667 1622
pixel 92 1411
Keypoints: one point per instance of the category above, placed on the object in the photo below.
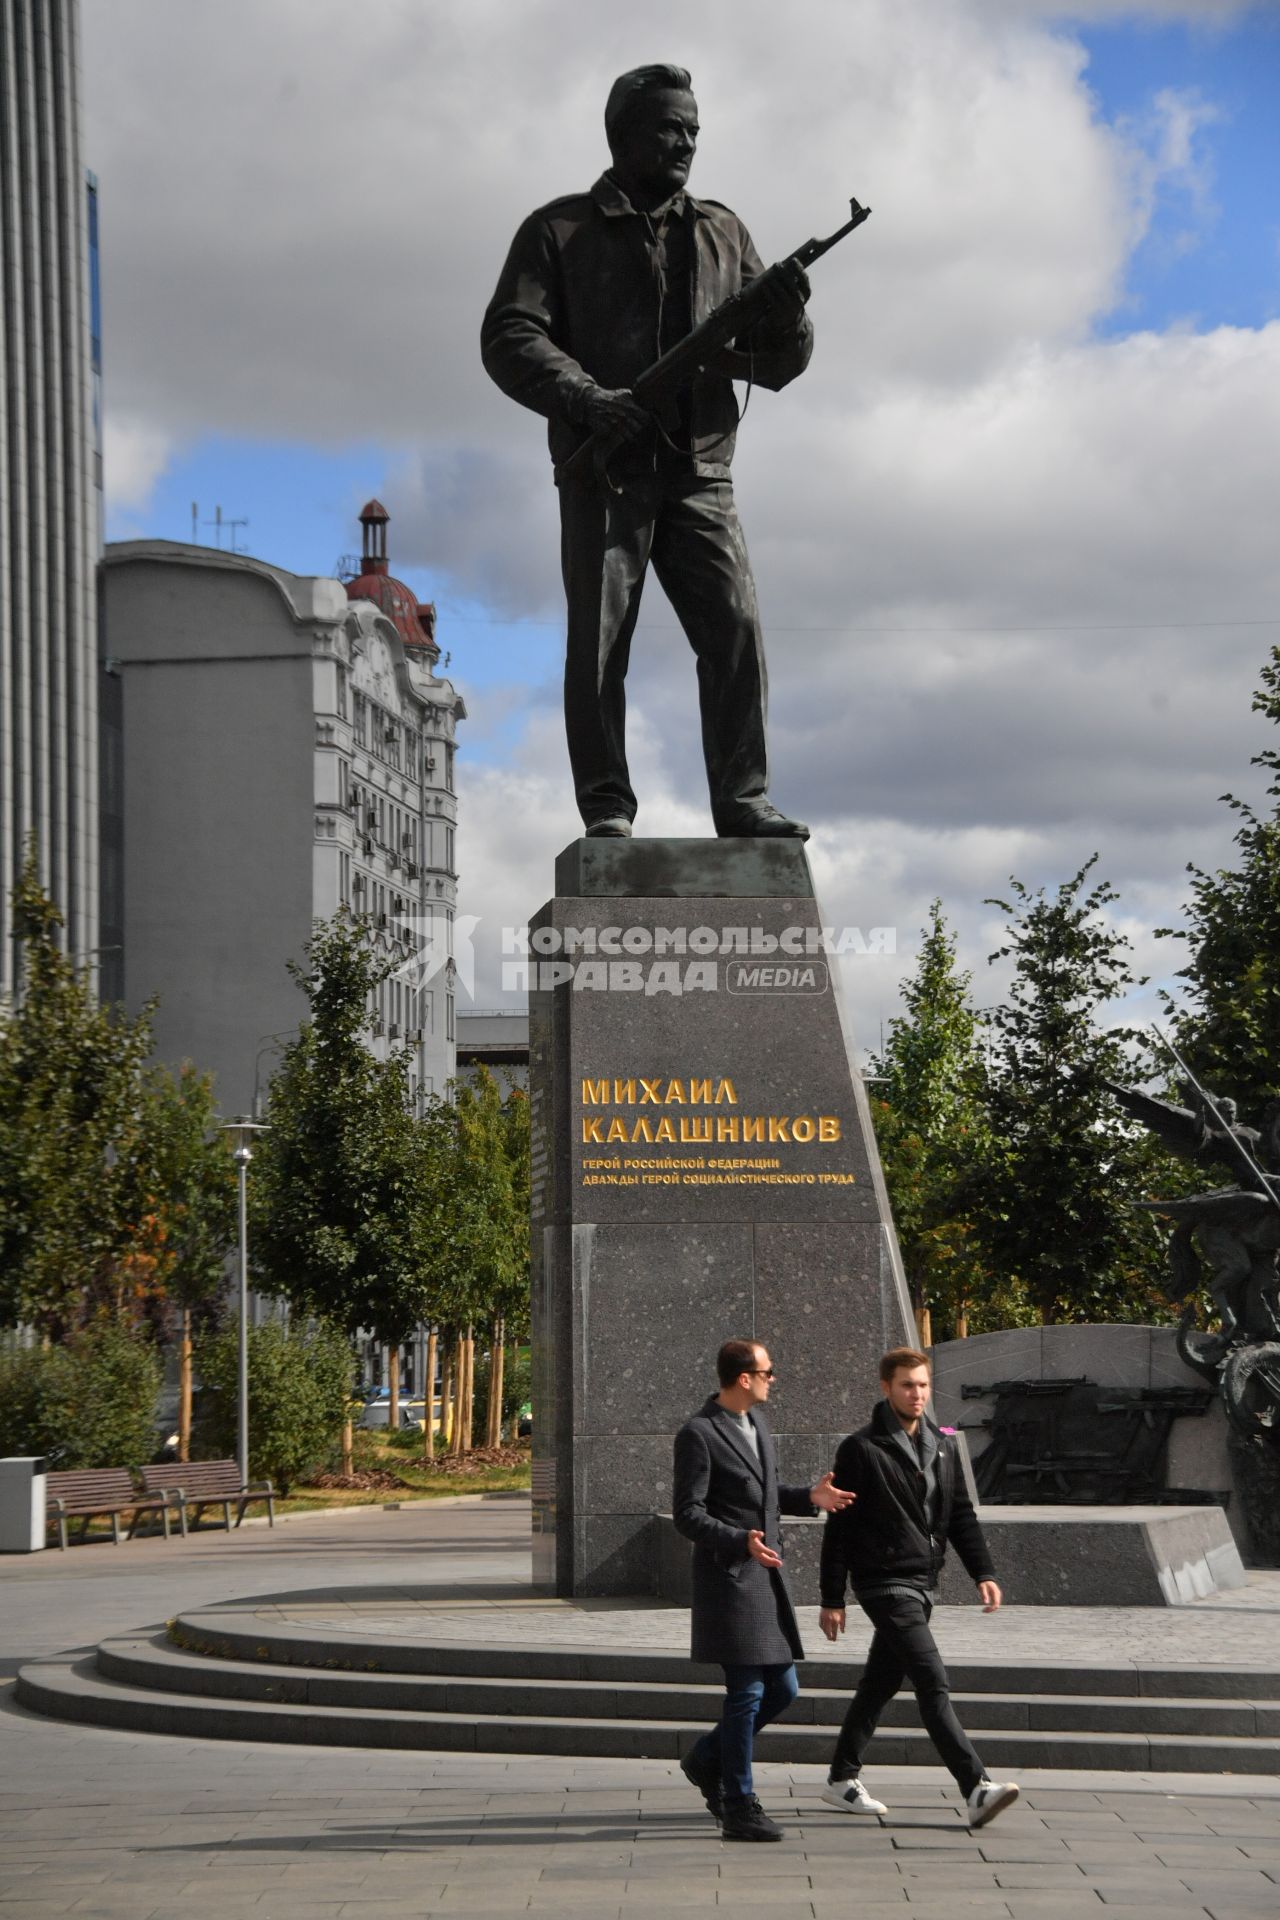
pixel 614 826
pixel 707 1781
pixel 762 822
pixel 746 1819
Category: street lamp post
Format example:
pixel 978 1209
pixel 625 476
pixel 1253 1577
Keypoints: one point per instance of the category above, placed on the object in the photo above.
pixel 244 1130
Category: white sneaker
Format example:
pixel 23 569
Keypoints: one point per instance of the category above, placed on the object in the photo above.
pixel 988 1799
pixel 851 1797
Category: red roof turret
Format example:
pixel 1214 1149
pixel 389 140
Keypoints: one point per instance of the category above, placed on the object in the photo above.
pixel 415 622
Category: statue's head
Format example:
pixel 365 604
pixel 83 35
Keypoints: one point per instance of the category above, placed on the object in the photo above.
pixel 651 124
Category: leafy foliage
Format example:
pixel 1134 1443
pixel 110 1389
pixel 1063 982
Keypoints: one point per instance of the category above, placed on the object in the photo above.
pixel 76 1238
pixel 1054 1206
pixel 1230 1028
pixel 340 1179
pixel 88 1403
pixel 481 1179
pixel 932 1133
pixel 191 1179
pixel 300 1379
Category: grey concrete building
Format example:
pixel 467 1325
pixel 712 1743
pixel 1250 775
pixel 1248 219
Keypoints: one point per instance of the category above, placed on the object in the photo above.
pixel 49 477
pixel 496 1038
pixel 289 750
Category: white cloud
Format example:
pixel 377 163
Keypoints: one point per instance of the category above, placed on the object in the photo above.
pixel 134 455
pixel 303 218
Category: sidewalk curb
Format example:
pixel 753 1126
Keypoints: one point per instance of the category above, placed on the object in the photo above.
pixel 386 1506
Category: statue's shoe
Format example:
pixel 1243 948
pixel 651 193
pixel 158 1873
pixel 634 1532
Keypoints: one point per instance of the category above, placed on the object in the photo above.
pixel 614 826
pixel 762 822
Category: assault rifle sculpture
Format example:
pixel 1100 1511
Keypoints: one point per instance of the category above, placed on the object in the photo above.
pixel 658 387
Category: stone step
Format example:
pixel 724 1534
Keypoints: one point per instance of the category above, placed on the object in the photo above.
pixel 243 1635
pixel 75 1690
pixel 152 1661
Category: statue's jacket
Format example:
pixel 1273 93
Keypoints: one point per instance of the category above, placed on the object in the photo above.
pixel 578 304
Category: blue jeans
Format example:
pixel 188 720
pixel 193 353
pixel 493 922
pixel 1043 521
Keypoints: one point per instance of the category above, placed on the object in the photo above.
pixel 753 1697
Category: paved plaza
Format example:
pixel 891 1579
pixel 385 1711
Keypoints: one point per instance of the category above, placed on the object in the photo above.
pixel 98 1822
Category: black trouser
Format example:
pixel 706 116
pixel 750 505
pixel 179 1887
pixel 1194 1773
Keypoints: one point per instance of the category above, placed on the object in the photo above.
pixel 904 1648
pixel 689 529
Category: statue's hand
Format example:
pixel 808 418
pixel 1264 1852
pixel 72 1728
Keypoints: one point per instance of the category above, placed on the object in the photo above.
pixel 791 290
pixel 614 411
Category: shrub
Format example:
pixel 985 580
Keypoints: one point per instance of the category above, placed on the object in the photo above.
pixel 299 1383
pixel 88 1403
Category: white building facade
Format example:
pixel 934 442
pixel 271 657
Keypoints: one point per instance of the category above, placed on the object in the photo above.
pixel 50 483
pixel 287 753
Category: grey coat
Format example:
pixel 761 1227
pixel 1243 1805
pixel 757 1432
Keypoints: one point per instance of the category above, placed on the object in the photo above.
pixel 742 1612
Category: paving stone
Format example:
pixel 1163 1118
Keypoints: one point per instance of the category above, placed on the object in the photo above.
pixel 1030 1876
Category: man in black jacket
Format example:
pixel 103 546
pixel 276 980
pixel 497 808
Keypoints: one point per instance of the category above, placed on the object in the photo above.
pixel 595 287
pixel 727 1500
pixel 911 1500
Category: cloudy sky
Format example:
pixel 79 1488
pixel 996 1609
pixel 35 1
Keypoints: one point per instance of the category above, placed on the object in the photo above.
pixel 1015 530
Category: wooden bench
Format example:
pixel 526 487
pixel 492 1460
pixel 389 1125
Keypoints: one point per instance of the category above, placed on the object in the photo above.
pixel 189 1486
pixel 88 1493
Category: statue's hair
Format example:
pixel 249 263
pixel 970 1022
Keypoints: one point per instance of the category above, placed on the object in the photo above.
pixel 630 88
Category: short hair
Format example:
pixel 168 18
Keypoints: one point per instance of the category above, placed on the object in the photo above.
pixel 902 1357
pixel 736 1357
pixel 630 88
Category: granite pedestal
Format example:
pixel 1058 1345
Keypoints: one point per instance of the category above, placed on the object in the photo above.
pixel 1044 1557
pixel 704 1167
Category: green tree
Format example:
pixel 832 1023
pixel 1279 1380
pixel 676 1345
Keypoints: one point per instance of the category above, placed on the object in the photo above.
pixel 1229 1025
pixel 475 1241
pixel 191 1180
pixel 77 1237
pixel 1054 1206
pixel 299 1383
pixel 341 1179
pixel 932 1135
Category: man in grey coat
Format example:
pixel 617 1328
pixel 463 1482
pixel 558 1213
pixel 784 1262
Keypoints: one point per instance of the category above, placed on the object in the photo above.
pixel 727 1500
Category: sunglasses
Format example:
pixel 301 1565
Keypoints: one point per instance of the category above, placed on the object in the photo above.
pixel 765 1373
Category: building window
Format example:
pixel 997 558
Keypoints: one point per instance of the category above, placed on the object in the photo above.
pixel 448 768
pixel 342 693
pixel 411 752
pixel 448 849
pixel 448 1017
pixel 360 718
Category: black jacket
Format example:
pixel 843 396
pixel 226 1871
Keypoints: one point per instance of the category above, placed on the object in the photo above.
pixel 578 303
pixel 885 1535
pixel 742 1615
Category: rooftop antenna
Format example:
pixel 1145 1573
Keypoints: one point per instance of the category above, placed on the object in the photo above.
pixel 218 523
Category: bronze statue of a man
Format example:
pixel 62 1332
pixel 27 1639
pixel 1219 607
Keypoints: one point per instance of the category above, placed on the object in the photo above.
pixel 595 287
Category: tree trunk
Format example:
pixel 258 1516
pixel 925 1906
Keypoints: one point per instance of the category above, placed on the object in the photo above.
pixel 962 1322
pixel 348 1448
pixel 924 1327
pixel 446 1396
pixel 429 1397
pixel 497 1360
pixel 459 1392
pixel 393 1381
pixel 462 1424
pixel 469 1434
pixel 184 1388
